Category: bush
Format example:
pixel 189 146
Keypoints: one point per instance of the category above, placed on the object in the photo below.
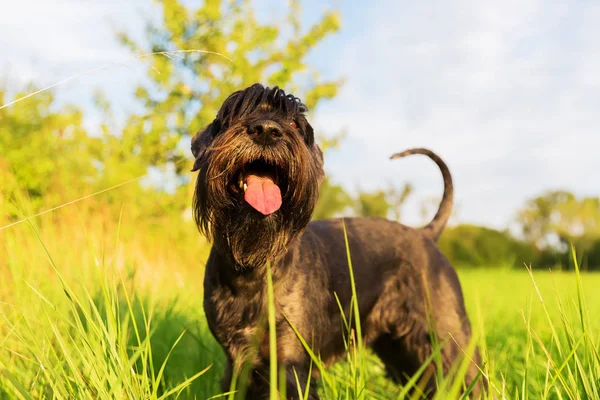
pixel 477 246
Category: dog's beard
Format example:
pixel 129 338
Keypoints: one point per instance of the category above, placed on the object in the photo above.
pixel 236 228
pixel 253 239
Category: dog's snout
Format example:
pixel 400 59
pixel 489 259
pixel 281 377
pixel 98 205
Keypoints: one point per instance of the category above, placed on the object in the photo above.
pixel 265 131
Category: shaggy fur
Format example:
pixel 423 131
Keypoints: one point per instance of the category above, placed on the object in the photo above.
pixel 404 284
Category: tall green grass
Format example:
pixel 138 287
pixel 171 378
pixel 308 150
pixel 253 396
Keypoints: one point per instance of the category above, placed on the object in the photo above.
pixel 102 308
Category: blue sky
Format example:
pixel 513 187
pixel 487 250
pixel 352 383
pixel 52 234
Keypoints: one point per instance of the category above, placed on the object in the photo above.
pixel 508 93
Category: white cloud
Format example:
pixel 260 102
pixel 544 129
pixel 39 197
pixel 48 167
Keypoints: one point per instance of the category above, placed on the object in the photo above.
pixel 506 92
pixel 61 33
pixel 45 42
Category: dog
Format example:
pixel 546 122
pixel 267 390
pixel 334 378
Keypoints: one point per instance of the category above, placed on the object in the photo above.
pixel 259 171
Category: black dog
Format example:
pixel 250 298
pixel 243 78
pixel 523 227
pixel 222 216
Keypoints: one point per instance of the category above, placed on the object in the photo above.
pixel 259 175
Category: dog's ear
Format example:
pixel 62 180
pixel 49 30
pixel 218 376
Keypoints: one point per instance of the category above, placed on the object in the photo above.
pixel 310 134
pixel 201 141
pixel 319 155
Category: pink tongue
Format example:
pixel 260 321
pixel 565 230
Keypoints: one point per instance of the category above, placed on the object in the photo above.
pixel 262 194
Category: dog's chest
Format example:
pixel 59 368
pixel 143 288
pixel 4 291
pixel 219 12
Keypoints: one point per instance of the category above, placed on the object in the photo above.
pixel 233 316
pixel 239 323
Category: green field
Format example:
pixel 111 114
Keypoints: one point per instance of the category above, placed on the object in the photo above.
pixel 79 295
pixel 101 264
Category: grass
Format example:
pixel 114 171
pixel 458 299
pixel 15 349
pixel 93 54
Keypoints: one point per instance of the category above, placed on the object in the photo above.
pixel 92 309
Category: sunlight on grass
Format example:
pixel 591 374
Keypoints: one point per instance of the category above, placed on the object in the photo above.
pixel 90 310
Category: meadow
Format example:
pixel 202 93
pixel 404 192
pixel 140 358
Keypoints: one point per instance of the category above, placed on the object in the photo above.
pixel 95 305
pixel 102 298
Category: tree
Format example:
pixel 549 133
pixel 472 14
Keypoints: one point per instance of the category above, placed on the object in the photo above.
pixel 333 200
pixel 481 247
pixel 536 217
pixel 556 219
pixel 562 215
pixel 224 49
pixel 45 153
pixel 397 198
pixel 372 204
pixel 382 203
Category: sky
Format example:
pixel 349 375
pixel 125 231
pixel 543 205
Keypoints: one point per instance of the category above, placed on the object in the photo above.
pixel 507 93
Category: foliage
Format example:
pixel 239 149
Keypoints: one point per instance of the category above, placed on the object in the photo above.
pixel 549 224
pixel 556 219
pixel 47 158
pixel 382 203
pixel 41 150
pixel 333 200
pixel 372 204
pixel 477 246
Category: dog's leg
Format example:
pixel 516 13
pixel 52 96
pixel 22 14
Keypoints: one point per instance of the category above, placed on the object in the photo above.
pixel 417 308
pixel 227 376
pixel 295 392
pixel 259 387
pixel 404 355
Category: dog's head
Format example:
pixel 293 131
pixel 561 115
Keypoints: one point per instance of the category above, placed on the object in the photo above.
pixel 259 174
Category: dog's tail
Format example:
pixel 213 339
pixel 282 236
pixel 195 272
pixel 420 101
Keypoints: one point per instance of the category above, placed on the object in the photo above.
pixel 434 228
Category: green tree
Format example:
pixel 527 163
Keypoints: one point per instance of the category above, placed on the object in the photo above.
pixel 397 198
pixel 482 247
pixel 185 90
pixel 333 200
pixel 45 153
pixel 556 219
pixel 562 215
pixel 382 203
pixel 537 216
pixel 372 204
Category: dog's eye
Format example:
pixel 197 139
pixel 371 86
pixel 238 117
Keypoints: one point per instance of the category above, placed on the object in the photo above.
pixel 293 124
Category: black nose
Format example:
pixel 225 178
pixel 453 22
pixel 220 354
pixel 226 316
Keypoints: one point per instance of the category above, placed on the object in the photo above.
pixel 265 131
